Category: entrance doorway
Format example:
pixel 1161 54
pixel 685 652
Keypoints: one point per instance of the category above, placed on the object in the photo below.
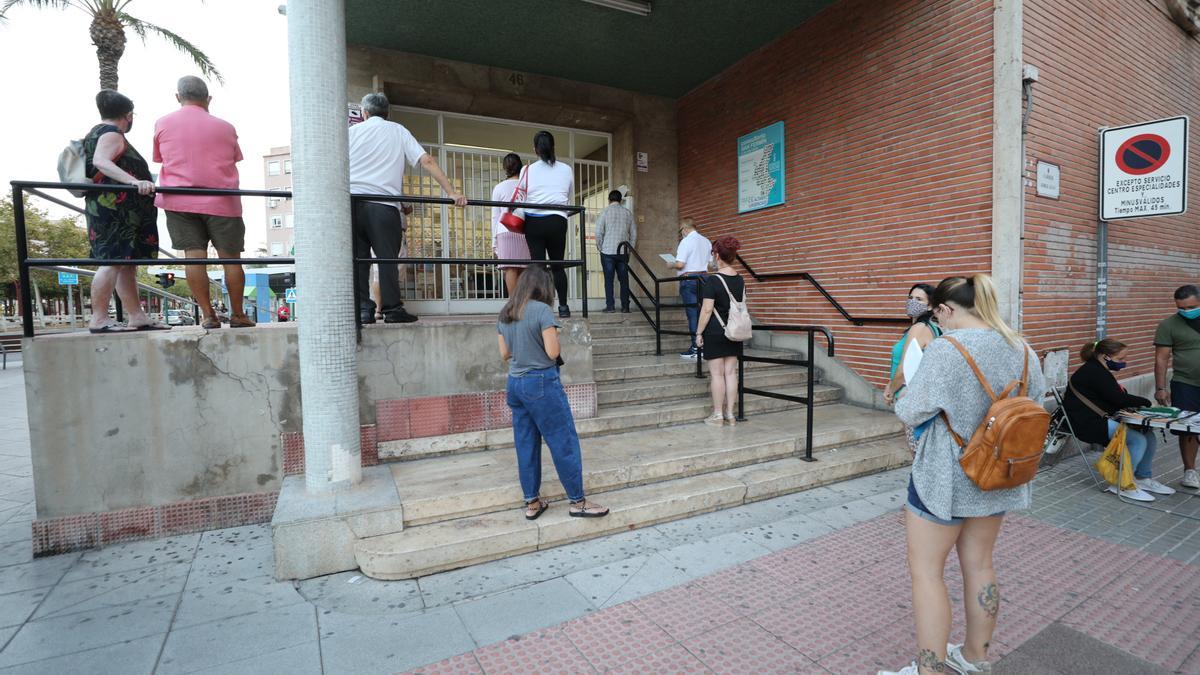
pixel 470 150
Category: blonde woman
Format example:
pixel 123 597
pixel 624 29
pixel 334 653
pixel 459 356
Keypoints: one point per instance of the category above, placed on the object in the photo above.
pixel 945 509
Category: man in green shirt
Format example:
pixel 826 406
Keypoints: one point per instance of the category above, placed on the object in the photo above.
pixel 1177 340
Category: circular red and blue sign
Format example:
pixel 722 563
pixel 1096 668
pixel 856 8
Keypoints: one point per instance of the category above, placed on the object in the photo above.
pixel 1143 154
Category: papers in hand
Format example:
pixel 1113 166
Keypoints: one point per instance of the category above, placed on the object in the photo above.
pixel 911 361
pixel 667 258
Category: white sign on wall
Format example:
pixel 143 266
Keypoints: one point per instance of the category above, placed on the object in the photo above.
pixel 1047 180
pixel 1143 169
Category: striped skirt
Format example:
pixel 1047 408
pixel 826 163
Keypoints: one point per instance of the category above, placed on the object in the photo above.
pixel 511 246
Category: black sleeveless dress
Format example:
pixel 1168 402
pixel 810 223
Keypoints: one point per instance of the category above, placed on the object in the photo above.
pixel 716 345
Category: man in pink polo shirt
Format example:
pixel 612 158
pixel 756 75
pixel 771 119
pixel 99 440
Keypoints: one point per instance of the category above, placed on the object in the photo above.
pixel 197 149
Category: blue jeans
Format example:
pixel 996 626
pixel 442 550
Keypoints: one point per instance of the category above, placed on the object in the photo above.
pixel 689 293
pixel 540 411
pixel 615 265
pixel 1142 446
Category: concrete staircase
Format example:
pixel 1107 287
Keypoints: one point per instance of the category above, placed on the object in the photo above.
pixel 452 501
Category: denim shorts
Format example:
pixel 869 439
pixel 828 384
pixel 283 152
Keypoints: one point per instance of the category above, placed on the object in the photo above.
pixel 918 507
pixel 1185 397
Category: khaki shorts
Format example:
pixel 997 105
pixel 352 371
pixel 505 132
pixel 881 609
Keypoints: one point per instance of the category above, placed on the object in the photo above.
pixel 193 231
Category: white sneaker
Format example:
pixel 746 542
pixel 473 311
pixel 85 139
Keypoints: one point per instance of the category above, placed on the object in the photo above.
pixel 1151 485
pixel 1136 494
pixel 1191 479
pixel 959 663
pixel 910 669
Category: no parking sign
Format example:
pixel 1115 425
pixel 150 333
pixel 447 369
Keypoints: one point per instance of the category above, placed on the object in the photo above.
pixel 1143 169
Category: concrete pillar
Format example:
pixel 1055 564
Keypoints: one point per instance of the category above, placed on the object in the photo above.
pixel 324 281
pixel 1007 159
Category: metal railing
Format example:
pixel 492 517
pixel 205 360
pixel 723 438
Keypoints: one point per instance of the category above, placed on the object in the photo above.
pixel 809 362
pixel 805 276
pixel 25 264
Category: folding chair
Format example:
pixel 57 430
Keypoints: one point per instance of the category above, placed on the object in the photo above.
pixel 1061 433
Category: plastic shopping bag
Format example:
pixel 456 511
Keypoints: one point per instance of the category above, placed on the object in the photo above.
pixel 1114 464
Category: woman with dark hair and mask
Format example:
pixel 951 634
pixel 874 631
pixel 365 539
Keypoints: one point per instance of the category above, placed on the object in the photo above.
pixel 1093 396
pixel 507 245
pixel 923 330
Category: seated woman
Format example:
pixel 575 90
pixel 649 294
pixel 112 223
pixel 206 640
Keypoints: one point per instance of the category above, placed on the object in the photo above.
pixel 1093 396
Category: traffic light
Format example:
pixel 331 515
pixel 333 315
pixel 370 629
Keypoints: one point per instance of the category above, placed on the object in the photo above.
pixel 166 279
pixel 289 280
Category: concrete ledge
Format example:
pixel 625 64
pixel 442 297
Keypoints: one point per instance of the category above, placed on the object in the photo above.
pixel 315 534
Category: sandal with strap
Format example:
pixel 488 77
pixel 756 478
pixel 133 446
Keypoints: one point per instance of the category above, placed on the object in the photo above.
pixel 587 510
pixel 535 508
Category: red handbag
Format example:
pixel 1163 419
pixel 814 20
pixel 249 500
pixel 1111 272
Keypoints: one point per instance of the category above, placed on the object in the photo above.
pixel 514 219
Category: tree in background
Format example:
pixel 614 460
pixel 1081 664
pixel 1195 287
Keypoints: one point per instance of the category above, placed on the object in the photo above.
pixel 109 21
pixel 61 238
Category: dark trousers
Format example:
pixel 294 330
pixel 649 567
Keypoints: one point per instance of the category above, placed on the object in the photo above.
pixel 547 239
pixel 689 294
pixel 618 266
pixel 378 228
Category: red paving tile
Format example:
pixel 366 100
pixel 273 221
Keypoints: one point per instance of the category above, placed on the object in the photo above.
pixel 686 611
pixel 842 602
pixel 612 638
pixel 670 661
pixel 549 651
pixel 744 647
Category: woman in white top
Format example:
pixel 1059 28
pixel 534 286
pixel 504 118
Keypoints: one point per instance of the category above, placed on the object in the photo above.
pixel 506 244
pixel 550 182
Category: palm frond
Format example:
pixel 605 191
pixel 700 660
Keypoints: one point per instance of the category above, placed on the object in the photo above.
pixel 36 4
pixel 144 28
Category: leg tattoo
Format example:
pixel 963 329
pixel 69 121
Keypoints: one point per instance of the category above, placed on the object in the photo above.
pixel 989 600
pixel 927 660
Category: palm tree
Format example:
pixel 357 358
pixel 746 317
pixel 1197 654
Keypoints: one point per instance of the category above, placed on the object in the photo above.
pixel 109 21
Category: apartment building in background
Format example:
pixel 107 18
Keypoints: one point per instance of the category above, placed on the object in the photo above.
pixel 281 228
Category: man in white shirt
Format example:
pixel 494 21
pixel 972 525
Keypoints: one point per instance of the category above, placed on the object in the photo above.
pixel 691 258
pixel 379 149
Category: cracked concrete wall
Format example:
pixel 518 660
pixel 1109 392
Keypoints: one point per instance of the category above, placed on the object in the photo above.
pixel 122 421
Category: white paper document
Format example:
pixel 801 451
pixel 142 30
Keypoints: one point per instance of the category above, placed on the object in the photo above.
pixel 667 258
pixel 911 361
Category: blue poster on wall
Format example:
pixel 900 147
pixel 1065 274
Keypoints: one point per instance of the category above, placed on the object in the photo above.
pixel 760 169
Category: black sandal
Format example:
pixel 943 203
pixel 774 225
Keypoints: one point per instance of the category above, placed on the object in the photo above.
pixel 583 511
pixel 542 506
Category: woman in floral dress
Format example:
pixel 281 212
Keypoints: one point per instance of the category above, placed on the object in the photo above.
pixel 121 225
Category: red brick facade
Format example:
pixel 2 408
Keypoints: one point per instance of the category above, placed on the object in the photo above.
pixel 1104 64
pixel 887 110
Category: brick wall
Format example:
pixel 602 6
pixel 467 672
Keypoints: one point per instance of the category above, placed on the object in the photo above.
pixel 887 110
pixel 1104 64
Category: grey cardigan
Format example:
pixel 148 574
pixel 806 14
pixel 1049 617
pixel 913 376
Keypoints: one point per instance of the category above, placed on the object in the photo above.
pixel 944 382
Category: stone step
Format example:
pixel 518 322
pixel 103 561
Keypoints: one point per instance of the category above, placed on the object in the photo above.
pixel 435 547
pixel 640 346
pixel 443 488
pixel 669 314
pixel 617 392
pixel 652 367
pixel 617 419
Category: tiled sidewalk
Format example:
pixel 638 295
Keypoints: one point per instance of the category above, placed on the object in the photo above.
pixel 841 604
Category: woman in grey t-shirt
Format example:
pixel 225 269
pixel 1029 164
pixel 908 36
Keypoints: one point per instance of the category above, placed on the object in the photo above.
pixel 946 510
pixel 529 342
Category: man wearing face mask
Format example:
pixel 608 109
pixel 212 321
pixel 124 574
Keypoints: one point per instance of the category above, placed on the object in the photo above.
pixel 1177 345
pixel 1094 396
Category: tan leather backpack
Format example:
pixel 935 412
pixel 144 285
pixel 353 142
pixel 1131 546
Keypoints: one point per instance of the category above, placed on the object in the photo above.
pixel 1005 450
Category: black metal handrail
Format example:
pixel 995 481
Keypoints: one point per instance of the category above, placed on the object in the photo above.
pixel 805 276
pixel 25 264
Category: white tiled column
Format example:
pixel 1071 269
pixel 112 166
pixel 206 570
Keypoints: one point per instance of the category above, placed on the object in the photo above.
pixel 324 276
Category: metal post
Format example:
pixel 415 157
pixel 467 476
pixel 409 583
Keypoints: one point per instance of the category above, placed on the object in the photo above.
pixel 358 324
pixel 657 318
pixel 808 422
pixel 22 258
pixel 1101 279
pixel 583 271
pixel 741 416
